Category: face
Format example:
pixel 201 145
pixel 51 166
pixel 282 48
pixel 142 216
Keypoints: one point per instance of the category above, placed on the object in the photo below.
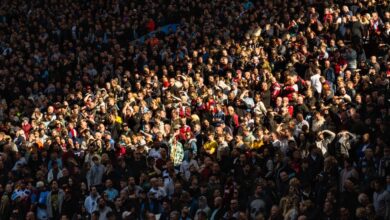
pixel 102 203
pixel 54 186
pixel 233 204
pixel 94 191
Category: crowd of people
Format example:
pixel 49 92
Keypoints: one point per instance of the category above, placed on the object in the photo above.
pixel 263 110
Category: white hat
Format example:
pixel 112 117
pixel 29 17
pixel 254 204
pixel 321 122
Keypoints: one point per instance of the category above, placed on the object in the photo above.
pixel 126 214
pixel 40 184
pixel 142 143
pixel 178 84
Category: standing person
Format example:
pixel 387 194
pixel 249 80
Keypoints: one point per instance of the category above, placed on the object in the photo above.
pixel 6 203
pixel 316 83
pixel 257 203
pixel 41 195
pixel 346 173
pixel 103 209
pixel 90 202
pixel 95 174
pixel 176 150
pixel 54 201
pixel 323 141
pixel 218 211
pixel 233 211
pixel 381 200
pixel 69 205
pixel 202 207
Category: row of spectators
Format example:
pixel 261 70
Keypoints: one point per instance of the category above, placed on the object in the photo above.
pixel 248 110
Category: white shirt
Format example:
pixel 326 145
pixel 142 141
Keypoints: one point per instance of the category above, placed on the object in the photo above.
pixel 91 204
pixel 315 81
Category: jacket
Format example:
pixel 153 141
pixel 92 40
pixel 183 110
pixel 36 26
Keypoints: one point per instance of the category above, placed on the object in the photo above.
pixel 49 207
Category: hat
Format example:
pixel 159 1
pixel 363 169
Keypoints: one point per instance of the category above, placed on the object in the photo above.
pixel 178 84
pixel 40 184
pixel 142 143
pixel 126 214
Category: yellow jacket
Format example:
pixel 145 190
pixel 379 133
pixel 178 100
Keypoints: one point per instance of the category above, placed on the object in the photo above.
pixel 210 147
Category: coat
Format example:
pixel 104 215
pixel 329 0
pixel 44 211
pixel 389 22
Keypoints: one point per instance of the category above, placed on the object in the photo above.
pixel 49 209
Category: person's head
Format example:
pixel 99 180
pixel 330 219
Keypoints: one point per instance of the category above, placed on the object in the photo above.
pixel 95 160
pixel 150 216
pixel 363 199
pixel 320 135
pixel 102 203
pixel 54 185
pixel 349 184
pixel 305 205
pixel 30 216
pixel 202 215
pixel 163 152
pixel 118 202
pixel 154 182
pixel 361 213
pixel 283 176
pixel 386 151
pixel 174 215
pixel 369 153
pixel 108 183
pixel 378 184
pixel 185 211
pixel 366 137
pixel 95 215
pixel 110 216
pixel 64 217
pixel 234 204
pixel 218 202
pixel 202 201
pixel 259 189
pixel 65 172
pixel 344 214
pixel 94 191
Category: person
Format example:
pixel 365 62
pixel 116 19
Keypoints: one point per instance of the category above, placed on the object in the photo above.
pixel 110 191
pixel 315 82
pixel 257 202
pixel 91 202
pixel 203 208
pixel 347 172
pixel 381 199
pixel 218 211
pixel 323 141
pixel 54 201
pixel 103 210
pixel 95 174
pixel 69 205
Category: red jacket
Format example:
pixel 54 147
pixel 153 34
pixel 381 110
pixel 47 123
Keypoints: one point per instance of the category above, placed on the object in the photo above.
pixel 150 25
pixel 26 128
pixel 183 131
